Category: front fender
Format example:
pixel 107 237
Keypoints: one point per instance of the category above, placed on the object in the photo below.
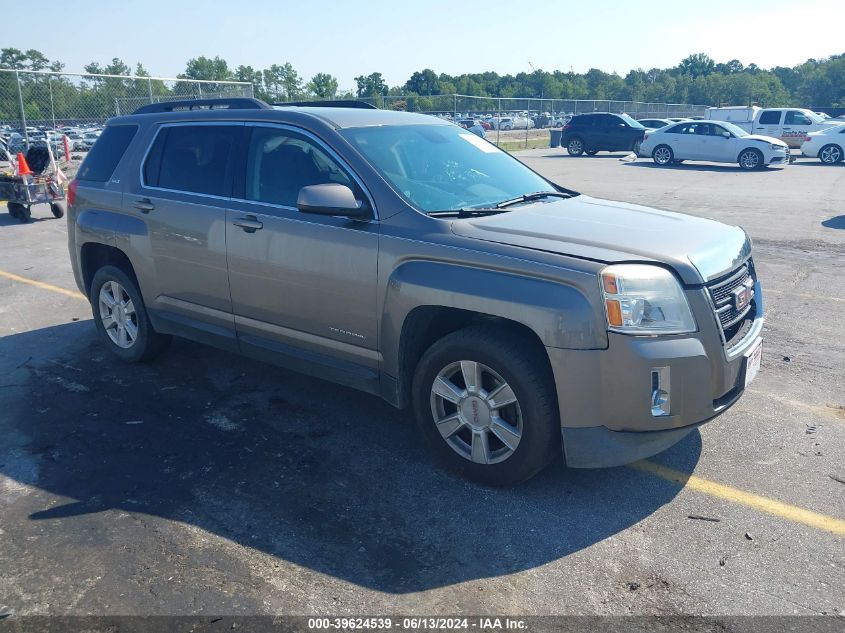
pixel 558 311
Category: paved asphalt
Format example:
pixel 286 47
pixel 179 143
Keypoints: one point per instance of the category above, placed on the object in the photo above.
pixel 206 483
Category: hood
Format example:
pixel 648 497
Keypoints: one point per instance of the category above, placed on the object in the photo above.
pixel 697 249
pixel 765 139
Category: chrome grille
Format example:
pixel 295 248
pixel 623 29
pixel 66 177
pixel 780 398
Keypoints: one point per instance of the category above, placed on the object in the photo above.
pixel 734 323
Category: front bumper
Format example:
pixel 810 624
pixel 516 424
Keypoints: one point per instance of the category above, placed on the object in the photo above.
pixel 605 395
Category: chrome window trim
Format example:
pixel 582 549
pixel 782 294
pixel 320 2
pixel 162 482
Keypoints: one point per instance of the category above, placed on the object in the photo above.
pixel 343 164
pixel 162 126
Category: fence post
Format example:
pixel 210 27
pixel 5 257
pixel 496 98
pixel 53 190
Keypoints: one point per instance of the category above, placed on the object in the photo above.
pixel 150 89
pixel 52 107
pixel 23 112
pixel 499 122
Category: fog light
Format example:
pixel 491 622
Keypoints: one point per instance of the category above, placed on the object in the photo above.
pixel 660 388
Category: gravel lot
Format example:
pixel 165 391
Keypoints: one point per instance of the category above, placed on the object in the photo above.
pixel 206 483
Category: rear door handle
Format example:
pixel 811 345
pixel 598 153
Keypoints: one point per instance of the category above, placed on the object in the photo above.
pixel 250 224
pixel 144 205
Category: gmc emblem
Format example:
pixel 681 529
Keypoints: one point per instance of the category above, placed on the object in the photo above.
pixel 743 295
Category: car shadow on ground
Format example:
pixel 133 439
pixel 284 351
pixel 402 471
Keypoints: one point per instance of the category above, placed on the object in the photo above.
pixel 837 222
pixel 722 167
pixel 564 154
pixel 322 476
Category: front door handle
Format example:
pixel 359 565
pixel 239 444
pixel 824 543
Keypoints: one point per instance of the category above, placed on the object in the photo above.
pixel 250 224
pixel 144 205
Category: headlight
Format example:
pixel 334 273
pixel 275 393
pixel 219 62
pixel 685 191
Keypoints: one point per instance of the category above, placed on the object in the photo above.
pixel 777 148
pixel 644 299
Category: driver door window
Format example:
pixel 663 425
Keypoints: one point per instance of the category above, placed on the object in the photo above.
pixel 279 163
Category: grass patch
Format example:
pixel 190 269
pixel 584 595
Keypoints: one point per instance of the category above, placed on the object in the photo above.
pixel 515 146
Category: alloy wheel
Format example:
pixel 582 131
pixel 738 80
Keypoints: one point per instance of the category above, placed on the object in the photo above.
pixel 830 154
pixel 117 314
pixel 476 412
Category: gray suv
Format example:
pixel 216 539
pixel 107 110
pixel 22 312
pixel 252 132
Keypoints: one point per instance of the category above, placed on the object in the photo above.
pixel 404 256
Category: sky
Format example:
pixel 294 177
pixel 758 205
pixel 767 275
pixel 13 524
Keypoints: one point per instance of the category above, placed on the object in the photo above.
pixel 397 37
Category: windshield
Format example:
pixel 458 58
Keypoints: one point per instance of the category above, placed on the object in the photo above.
pixel 733 129
pixel 631 122
pixel 444 167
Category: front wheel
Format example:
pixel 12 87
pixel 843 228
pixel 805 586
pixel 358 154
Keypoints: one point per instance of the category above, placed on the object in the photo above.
pixel 575 146
pixel 484 400
pixel 830 154
pixel 121 317
pixel 751 159
pixel 663 155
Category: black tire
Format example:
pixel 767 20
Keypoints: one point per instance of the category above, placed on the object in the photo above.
pixel 148 343
pixel 14 209
pixel 831 154
pixel 575 146
pixel 591 152
pixel 663 155
pixel 58 209
pixel 522 366
pixel 746 160
pixel 24 213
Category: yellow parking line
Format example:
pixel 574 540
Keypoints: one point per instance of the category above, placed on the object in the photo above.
pixel 776 508
pixel 43 285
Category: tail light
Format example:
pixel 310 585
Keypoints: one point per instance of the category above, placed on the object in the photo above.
pixel 71 193
pixel 807 138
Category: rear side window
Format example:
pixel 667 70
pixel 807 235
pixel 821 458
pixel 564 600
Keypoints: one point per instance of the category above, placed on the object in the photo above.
pixel 192 158
pixel 770 118
pixel 103 158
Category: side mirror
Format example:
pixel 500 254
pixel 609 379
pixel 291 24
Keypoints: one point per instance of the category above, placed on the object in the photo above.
pixel 726 134
pixel 331 199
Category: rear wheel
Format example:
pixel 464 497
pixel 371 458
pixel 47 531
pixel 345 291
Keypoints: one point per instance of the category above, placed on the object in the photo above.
pixel 830 154
pixel 485 402
pixel 751 159
pixel 575 146
pixel 58 209
pixel 121 317
pixel 663 155
pixel 14 209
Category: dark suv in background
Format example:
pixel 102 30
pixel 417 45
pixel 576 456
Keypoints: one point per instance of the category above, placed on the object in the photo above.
pixel 601 131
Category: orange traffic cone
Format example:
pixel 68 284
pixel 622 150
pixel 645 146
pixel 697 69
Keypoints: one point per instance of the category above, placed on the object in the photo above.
pixel 23 168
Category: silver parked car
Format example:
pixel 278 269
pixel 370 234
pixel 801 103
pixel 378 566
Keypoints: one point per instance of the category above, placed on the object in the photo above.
pixel 406 257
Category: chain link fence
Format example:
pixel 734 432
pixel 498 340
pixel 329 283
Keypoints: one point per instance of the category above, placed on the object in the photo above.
pixel 469 106
pixel 32 101
pixel 525 119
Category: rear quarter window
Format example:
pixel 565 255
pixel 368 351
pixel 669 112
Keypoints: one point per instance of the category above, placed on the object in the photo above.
pixel 106 153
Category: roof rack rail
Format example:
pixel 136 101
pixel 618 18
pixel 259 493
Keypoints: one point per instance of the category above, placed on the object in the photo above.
pixel 330 103
pixel 233 103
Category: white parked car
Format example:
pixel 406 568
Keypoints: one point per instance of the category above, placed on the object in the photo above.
pixel 827 145
pixel 790 125
pixel 715 142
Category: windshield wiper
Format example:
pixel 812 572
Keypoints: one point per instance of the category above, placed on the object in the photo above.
pixel 527 197
pixel 467 212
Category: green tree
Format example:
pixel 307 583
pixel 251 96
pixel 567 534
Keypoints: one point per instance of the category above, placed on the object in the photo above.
pixel 371 85
pixel 323 86
pixel 697 65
